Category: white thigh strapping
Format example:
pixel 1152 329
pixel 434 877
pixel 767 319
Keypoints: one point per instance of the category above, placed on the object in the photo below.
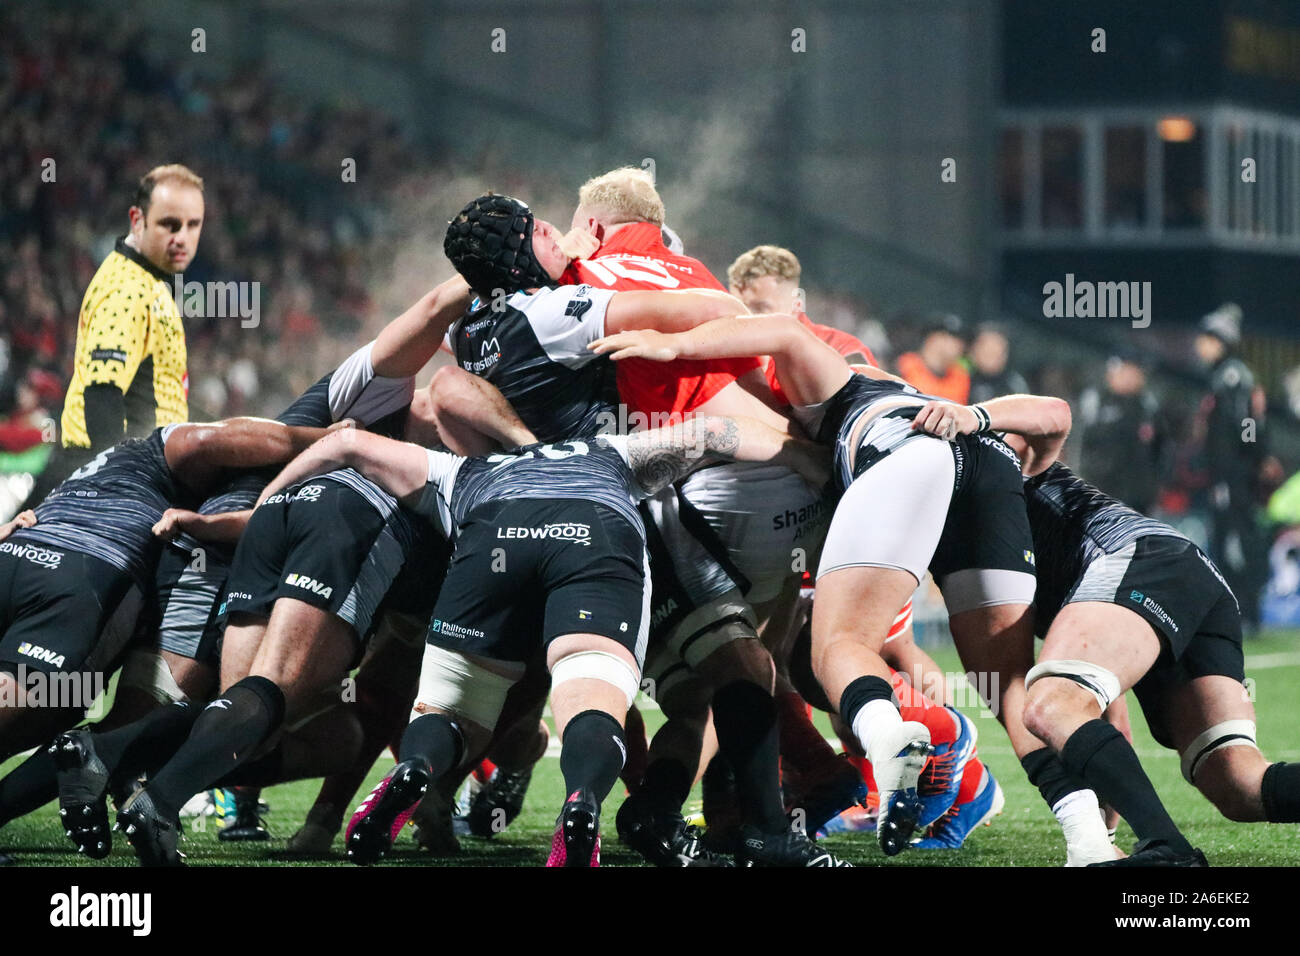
pixel 892 516
pixel 455 684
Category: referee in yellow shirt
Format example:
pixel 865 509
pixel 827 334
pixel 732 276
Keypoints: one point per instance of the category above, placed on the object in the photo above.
pixel 130 373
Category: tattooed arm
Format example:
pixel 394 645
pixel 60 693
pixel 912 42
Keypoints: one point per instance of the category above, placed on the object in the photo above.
pixel 661 456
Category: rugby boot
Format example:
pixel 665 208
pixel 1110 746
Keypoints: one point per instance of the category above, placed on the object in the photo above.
pixel 380 817
pixel 83 784
pixel 950 831
pixel 246 822
pixel 1158 853
pixel 897 776
pixel 662 836
pixel 498 802
pixel 576 841
pixel 789 848
pixel 941 778
pixel 155 838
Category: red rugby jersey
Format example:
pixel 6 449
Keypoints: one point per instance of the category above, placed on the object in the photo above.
pixel 636 259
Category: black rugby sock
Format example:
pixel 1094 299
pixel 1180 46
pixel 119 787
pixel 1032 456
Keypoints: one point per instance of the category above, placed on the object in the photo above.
pixel 1099 756
pixel 266 770
pixel 435 741
pixel 592 753
pixel 667 782
pixel 29 786
pixel 1280 793
pixel 861 692
pixel 225 734
pixel 144 745
pixel 744 716
pixel 1046 772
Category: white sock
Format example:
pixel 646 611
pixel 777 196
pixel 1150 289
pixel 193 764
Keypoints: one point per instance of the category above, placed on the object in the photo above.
pixel 872 722
pixel 1084 828
pixel 1072 804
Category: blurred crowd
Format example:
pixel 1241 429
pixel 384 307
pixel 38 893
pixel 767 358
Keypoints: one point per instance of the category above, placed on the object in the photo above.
pixel 84 111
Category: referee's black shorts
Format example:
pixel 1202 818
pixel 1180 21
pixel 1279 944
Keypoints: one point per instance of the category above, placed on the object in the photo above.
pixel 527 571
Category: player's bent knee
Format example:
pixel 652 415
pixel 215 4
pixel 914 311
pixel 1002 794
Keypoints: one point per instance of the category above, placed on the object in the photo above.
pixel 451 683
pixel 1057 696
pixel 1098 681
pixel 1225 764
pixel 147 672
pixel 597 665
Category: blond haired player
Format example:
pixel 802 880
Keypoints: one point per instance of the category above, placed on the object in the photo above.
pixel 756 520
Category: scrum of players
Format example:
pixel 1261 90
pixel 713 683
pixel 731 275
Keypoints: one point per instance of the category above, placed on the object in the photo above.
pixel 616 487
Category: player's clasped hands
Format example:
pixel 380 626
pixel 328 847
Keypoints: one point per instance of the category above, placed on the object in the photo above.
pixel 946 420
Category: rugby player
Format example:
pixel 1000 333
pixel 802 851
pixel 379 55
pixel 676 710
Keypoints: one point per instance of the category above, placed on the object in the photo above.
pixel 76 581
pixel 766 278
pixel 1126 602
pixel 529 338
pixel 722 546
pixel 375 386
pixel 586 603
pixel 955 508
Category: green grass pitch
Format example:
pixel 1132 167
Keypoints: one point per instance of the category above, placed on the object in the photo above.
pixel 1025 834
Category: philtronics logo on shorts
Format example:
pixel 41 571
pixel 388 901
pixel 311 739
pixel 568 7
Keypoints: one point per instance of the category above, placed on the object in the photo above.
pixel 1154 608
pixel 574 531
pixel 309 584
pixel 44 557
pixel 454 630
pixel 28 649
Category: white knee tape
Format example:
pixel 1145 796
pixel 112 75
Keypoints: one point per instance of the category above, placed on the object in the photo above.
pixel 1230 733
pixel 597 665
pixel 1103 685
pixel 147 671
pixel 454 684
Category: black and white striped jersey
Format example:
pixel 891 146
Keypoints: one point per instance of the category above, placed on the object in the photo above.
pixel 107 508
pixel 833 421
pixel 594 469
pixel 1073 524
pixel 533 348
pixel 353 390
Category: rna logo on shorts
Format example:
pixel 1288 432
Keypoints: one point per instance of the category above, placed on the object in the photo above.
pixel 574 531
pixel 28 649
pixel 44 557
pixel 309 584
